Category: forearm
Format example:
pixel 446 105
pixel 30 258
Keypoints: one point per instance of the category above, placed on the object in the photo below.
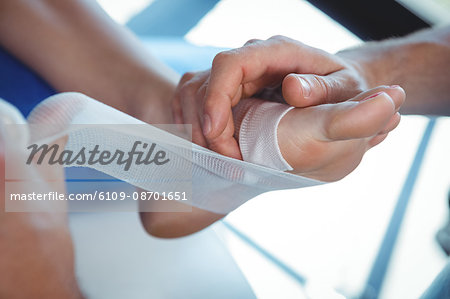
pixel 420 63
pixel 75 46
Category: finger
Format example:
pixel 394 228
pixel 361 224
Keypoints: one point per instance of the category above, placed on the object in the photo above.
pixel 221 94
pixel 269 82
pixel 238 67
pixel 189 106
pixel 351 120
pixel 190 116
pixel 252 41
pixel 396 93
pixel 226 144
pixel 392 124
pixel 185 78
pixel 177 111
pixel 309 90
pixel 377 140
pixel 185 88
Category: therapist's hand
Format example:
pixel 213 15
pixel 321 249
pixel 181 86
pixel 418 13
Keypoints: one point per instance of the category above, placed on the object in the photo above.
pixel 307 76
pixel 36 251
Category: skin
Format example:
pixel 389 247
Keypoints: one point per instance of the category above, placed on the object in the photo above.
pixel 40 241
pixel 308 76
pixel 335 137
pixel 279 67
pixel 106 62
pixel 75 46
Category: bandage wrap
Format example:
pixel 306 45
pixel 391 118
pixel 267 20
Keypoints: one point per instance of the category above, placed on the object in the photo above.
pixel 219 184
pixel 256 124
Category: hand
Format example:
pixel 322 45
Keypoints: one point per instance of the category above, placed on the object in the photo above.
pixel 307 76
pixel 334 137
pixel 332 140
pixel 36 252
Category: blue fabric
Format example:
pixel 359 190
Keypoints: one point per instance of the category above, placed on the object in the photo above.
pixel 19 85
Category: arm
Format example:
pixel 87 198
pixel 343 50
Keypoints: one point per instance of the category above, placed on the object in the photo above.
pixel 75 46
pixel 308 76
pixel 244 72
pixel 419 62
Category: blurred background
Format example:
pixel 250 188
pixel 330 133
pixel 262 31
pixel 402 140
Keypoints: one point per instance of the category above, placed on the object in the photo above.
pixel 370 235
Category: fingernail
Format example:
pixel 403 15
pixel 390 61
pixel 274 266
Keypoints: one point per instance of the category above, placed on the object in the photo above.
pixel 306 87
pixel 394 86
pixel 206 124
pixel 372 96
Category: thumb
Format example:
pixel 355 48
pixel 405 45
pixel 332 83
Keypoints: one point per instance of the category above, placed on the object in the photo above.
pixel 303 90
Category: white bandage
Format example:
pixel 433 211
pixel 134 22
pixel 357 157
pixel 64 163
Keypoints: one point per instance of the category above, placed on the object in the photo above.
pixel 219 184
pixel 256 124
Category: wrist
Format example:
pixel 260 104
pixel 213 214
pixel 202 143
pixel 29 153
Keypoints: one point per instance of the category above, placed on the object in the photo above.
pixel 387 62
pixel 131 87
pixel 148 97
pixel 378 63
